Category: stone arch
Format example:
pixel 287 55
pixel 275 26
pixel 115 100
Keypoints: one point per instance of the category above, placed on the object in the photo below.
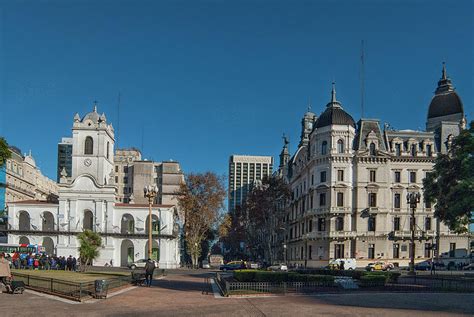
pixel 88 220
pixel 155 251
pixel 47 220
pixel 128 224
pixel 155 225
pixel 127 252
pixel 24 221
pixel 48 245
pixel 24 240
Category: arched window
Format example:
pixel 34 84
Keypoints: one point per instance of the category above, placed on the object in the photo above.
pixel 372 149
pixel 324 148
pixel 340 146
pixel 108 149
pixel 89 146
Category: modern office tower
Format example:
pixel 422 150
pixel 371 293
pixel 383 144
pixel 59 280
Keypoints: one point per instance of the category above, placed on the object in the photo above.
pixel 244 170
pixel 64 157
pixel 124 160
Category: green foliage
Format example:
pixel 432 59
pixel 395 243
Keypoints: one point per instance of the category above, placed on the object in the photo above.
pixel 372 280
pixel 451 183
pixel 277 277
pixel 349 273
pixel 390 277
pixel 4 151
pixel 89 244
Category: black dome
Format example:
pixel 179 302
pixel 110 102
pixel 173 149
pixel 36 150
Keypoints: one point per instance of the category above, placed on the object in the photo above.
pixel 334 115
pixel 445 104
pixel 445 101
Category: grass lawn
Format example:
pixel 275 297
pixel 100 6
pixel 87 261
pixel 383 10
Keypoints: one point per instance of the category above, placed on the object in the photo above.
pixel 72 276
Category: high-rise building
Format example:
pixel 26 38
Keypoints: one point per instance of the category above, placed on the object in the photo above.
pixel 350 181
pixel 64 157
pixel 132 174
pixel 244 170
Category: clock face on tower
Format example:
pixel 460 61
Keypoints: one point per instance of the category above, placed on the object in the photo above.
pixel 87 162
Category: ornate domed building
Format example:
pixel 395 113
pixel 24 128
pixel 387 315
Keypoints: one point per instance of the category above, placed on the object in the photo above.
pixel 350 181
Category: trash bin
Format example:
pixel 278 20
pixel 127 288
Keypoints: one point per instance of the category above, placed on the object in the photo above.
pixel 101 288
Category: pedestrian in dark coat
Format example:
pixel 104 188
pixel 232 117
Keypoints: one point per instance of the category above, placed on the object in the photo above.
pixel 149 269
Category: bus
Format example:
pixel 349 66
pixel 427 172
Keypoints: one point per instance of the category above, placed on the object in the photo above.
pixel 22 249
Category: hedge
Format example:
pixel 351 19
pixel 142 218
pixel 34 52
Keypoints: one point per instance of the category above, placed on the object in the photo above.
pixel 372 280
pixel 277 277
pixel 391 277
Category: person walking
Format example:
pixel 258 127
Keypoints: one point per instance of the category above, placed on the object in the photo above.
pixel 149 269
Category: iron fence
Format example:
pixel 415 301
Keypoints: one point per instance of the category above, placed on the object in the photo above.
pixel 68 289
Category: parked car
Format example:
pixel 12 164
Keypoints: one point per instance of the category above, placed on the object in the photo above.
pixel 140 264
pixel 233 265
pixel 346 264
pixel 468 267
pixel 278 267
pixel 380 266
pixel 423 266
pixel 205 264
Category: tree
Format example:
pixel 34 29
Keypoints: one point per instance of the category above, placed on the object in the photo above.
pixel 90 242
pixel 263 214
pixel 451 183
pixel 201 198
pixel 232 232
pixel 4 151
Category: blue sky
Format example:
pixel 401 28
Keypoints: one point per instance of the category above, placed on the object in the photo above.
pixel 202 80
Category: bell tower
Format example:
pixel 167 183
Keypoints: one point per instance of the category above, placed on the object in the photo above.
pixel 93 147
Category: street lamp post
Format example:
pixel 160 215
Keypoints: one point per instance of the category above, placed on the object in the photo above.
pixel 150 192
pixel 413 198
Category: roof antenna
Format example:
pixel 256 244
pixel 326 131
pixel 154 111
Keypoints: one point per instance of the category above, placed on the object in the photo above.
pixel 362 78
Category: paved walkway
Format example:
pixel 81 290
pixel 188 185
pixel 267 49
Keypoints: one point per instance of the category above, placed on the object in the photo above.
pixel 179 294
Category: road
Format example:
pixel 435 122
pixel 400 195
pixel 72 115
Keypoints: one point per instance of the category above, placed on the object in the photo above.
pixel 180 294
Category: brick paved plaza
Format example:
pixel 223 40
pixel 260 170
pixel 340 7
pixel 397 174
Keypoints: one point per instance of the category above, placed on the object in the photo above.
pixel 180 294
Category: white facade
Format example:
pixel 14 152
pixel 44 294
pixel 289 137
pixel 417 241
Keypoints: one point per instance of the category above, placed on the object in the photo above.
pixel 87 201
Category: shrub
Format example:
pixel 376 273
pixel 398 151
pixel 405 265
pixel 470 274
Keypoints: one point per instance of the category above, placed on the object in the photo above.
pixel 390 277
pixel 349 273
pixel 277 277
pixel 245 275
pixel 372 280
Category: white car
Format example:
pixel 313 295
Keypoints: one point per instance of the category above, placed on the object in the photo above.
pixel 278 267
pixel 205 265
pixel 140 264
pixel 349 263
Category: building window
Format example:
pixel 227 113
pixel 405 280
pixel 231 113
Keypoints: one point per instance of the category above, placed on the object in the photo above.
pixel 372 199
pixel 396 202
pixel 397 177
pixel 372 149
pixel 452 250
pixel 339 251
pixel 116 179
pixel 371 253
pixel 372 176
pixel 413 150
pixel 427 250
pixel 310 225
pixel 322 224
pixel 323 176
pixel 398 149
pixel 428 150
pixel 339 224
pixel 340 175
pixel 310 252
pixel 427 223
pixel 125 169
pixel 322 199
pixel 324 148
pixel 428 204
pixel 89 146
pixel 412 177
pixel 108 149
pixel 340 146
pixel 125 180
pixel 116 168
pixel 371 223
pixel 396 224
pixel 340 199
pixel 396 251
pixel 312 179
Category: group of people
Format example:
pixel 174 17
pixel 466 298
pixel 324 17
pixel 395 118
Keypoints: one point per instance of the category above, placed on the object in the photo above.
pixel 42 262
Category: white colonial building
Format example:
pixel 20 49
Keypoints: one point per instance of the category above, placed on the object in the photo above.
pixel 87 201
pixel 350 182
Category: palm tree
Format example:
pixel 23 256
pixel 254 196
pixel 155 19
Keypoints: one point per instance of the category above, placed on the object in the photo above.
pixel 90 242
